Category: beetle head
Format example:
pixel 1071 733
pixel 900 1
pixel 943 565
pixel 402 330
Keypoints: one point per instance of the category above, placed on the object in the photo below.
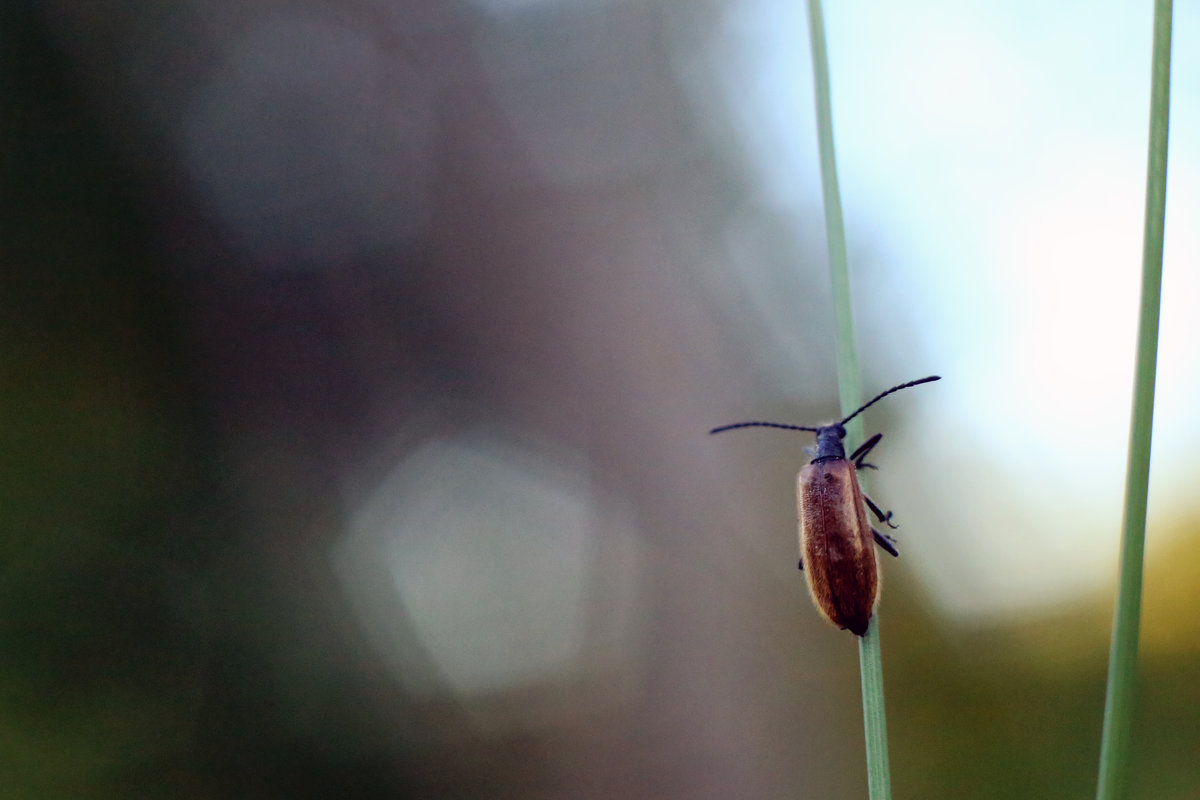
pixel 829 442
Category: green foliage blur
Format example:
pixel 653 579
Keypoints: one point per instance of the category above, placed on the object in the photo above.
pixel 132 656
pixel 1014 709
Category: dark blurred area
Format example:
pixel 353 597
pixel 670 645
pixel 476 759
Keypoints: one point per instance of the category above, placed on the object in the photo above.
pixel 357 365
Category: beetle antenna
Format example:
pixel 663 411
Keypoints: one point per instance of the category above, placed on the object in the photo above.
pixel 873 401
pixel 762 425
pixel 882 395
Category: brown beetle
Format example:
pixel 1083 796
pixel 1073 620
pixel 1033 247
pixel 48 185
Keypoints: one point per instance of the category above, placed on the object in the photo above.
pixel 835 536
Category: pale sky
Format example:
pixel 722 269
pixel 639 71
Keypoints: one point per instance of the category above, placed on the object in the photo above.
pixel 992 156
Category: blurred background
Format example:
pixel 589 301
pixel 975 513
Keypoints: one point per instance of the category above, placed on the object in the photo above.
pixel 358 360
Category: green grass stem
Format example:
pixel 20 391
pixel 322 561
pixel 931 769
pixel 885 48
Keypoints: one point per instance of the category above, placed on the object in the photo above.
pixel 849 376
pixel 850 391
pixel 1122 663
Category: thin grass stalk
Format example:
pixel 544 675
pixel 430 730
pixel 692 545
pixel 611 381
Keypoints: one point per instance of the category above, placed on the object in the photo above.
pixel 1122 662
pixel 850 390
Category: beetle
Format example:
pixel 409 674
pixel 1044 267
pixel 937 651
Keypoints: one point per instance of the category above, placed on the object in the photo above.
pixel 835 536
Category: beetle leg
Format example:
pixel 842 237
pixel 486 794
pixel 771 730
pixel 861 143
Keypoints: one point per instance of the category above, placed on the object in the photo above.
pixel 861 453
pixel 885 542
pixel 801 566
pixel 884 518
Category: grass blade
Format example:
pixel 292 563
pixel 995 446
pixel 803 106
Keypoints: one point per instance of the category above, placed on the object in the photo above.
pixel 850 390
pixel 849 377
pixel 1122 664
pixel 870 663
